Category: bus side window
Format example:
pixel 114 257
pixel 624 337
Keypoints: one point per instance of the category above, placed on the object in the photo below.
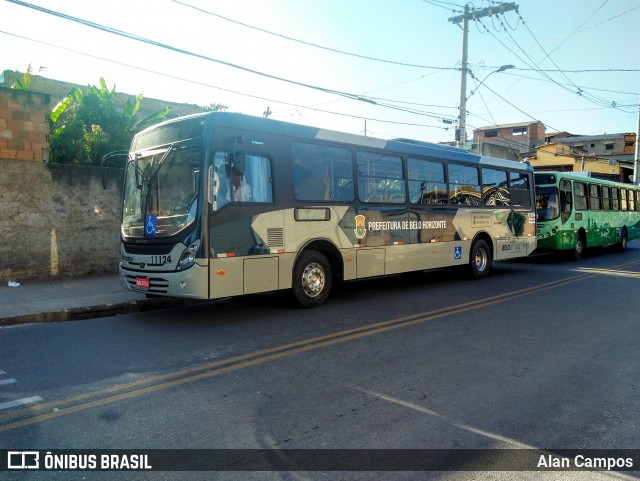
pixel 520 185
pixel 252 184
pixel 495 187
pixel 581 196
pixel 464 185
pixel 380 178
pixel 322 173
pixel 427 183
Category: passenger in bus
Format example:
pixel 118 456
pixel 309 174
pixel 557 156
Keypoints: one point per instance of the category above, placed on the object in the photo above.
pixel 240 187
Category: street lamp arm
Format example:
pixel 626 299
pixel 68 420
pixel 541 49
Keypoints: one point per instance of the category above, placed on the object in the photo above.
pixel 501 69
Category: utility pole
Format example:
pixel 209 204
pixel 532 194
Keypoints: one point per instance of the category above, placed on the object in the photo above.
pixel 464 18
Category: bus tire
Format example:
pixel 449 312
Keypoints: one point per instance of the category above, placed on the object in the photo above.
pixel 311 279
pixel 579 247
pixel 480 259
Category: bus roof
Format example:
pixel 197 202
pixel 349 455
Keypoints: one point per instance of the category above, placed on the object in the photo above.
pixel 551 177
pixel 397 146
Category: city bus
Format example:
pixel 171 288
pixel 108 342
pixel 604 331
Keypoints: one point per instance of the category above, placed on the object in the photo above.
pixel 576 211
pixel 223 204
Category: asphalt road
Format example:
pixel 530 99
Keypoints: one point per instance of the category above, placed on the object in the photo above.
pixel 543 354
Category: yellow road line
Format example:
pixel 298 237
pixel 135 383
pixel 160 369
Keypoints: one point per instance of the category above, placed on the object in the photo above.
pixel 172 379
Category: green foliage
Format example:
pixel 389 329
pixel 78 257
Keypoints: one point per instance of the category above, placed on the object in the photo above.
pixel 214 108
pixel 25 83
pixel 86 126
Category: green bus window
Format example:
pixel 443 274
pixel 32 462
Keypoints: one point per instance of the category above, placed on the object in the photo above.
pixel 606 198
pixel 322 173
pixel 615 198
pixel 380 178
pixel 547 203
pixel 582 200
pixel 427 183
pixel 495 187
pixel 632 200
pixel 623 199
pixel 594 197
pixel 464 185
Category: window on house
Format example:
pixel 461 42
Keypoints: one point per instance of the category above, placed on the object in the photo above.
pixel 490 134
pixel 608 146
pixel 519 131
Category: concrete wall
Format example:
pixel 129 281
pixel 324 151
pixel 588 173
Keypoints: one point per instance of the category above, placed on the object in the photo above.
pixel 57 220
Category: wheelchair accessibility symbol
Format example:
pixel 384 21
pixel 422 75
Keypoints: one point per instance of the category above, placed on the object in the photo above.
pixel 150 224
pixel 457 255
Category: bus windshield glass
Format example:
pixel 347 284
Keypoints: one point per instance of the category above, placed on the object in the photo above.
pixel 161 185
pixel 547 203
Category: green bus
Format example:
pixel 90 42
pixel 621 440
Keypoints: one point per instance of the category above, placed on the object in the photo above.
pixel 575 211
pixel 224 204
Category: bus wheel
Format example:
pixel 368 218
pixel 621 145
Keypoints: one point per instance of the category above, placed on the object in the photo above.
pixel 578 249
pixel 311 279
pixel 480 259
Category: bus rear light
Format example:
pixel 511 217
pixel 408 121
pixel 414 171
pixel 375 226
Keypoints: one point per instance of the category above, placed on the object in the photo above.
pixel 221 272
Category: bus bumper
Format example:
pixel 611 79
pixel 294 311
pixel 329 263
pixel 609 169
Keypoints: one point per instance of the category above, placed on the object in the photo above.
pixel 192 283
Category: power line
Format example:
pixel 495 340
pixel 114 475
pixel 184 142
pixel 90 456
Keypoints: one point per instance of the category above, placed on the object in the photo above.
pixel 311 44
pixel 195 82
pixel 204 57
pixel 138 38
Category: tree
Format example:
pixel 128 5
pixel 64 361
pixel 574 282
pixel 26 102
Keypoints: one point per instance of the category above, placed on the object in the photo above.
pixel 217 107
pixel 86 126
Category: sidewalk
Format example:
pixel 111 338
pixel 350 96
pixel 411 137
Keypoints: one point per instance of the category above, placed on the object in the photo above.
pixel 72 299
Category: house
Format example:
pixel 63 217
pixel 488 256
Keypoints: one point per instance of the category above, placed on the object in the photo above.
pixel 509 141
pixel 609 156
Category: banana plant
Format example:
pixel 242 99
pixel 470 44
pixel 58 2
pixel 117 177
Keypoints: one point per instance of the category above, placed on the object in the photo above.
pixel 85 126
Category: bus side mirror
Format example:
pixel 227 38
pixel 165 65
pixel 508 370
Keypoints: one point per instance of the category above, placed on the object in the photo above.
pixel 239 162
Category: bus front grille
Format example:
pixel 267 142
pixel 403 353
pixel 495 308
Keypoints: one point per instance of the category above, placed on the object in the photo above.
pixel 157 285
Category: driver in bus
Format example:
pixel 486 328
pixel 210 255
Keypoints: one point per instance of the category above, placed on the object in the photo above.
pixel 240 188
pixel 233 187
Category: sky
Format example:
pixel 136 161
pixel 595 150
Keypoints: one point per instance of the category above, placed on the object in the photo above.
pixel 383 68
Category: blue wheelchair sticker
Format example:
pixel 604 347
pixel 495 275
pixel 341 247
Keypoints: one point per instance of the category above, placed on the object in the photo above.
pixel 457 255
pixel 150 224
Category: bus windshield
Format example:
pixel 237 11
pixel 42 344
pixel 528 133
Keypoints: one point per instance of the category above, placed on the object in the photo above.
pixel 547 203
pixel 161 184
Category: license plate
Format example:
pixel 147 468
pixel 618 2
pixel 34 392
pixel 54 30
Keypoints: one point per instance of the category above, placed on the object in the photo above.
pixel 142 282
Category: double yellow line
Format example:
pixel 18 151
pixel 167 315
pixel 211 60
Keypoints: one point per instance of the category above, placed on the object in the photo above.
pixel 51 410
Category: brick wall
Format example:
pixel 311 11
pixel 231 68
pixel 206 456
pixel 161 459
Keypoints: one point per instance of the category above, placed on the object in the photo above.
pixel 24 125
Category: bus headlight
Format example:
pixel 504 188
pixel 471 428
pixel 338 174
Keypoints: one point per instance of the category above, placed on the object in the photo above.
pixel 188 257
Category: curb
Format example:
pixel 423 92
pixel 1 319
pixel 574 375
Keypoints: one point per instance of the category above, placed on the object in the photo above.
pixel 92 312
